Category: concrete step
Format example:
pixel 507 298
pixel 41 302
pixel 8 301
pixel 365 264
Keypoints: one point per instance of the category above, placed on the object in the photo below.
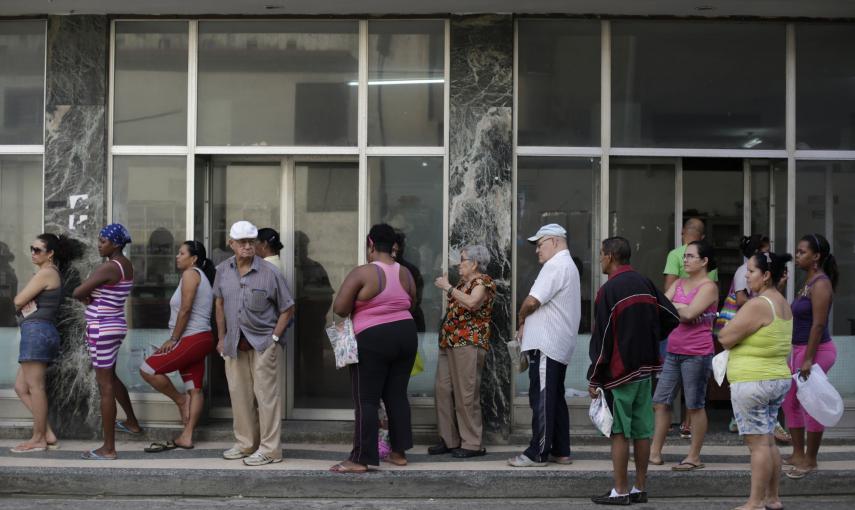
pixel 201 472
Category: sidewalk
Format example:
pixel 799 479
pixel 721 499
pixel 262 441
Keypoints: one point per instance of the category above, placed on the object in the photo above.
pixel 201 472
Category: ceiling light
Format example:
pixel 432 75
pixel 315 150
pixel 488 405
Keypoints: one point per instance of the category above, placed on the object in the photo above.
pixel 750 144
pixel 400 82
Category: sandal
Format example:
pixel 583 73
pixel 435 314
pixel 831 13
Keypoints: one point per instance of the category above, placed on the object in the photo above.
pixel 781 434
pixel 91 455
pixel 122 426
pixel 24 449
pixel 160 446
pixel 688 466
pixel 342 468
pixel 660 463
pixel 797 473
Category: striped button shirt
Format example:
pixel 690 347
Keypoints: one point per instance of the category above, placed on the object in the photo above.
pixel 553 327
pixel 252 303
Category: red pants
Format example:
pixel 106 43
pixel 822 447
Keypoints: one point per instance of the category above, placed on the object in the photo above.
pixel 187 356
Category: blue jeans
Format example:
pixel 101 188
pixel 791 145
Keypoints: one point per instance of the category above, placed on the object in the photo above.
pixel 39 341
pixel 686 371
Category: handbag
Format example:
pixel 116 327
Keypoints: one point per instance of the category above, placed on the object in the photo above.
pixel 519 359
pixel 343 341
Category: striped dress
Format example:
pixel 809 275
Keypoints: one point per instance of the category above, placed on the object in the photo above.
pixel 105 321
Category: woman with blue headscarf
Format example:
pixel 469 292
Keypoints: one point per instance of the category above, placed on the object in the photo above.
pixel 105 293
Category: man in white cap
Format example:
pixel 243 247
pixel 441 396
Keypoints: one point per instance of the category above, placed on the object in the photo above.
pixel 253 307
pixel 547 327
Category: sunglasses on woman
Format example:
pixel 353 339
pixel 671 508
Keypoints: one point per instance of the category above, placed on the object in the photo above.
pixel 35 250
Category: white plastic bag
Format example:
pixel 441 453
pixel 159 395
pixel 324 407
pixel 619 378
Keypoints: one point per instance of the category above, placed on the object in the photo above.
pixel 818 397
pixel 719 366
pixel 343 342
pixel 600 414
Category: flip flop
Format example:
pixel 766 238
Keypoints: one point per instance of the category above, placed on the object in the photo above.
pixel 91 455
pixel 660 463
pixel 34 449
pixel 341 468
pixel 160 446
pixel 797 473
pixel 689 466
pixel 182 447
pixel 53 446
pixel 120 425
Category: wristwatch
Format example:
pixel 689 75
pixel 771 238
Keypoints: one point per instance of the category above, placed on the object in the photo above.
pixel 275 338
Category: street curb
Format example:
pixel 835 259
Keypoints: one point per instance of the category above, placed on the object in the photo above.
pixel 90 482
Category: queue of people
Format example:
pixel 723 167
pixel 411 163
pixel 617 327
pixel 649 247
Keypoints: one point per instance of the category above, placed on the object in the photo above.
pixel 767 339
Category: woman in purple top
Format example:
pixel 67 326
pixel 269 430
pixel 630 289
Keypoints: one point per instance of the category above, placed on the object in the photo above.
pixel 812 344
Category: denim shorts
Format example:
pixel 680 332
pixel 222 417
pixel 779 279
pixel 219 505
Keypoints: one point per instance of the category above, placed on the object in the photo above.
pixel 756 403
pixel 39 341
pixel 687 371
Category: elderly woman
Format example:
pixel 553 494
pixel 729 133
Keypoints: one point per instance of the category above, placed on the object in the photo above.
pixel 758 338
pixel 463 342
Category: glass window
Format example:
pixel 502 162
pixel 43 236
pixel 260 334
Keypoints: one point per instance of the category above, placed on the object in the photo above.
pixel 563 191
pixel 824 206
pixel 22 82
pixel 769 200
pixel 559 82
pixel 703 84
pixel 277 82
pixel 149 198
pixel 825 97
pixel 406 80
pixel 150 102
pixel 325 250
pixel 641 209
pixel 21 205
pixel 407 193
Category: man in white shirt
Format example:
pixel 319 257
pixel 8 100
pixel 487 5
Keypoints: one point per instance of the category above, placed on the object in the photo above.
pixel 547 327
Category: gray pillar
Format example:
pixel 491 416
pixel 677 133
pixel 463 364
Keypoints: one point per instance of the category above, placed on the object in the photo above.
pixel 75 193
pixel 480 185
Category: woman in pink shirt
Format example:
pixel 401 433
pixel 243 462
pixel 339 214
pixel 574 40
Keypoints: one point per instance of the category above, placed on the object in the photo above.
pixel 378 296
pixel 688 362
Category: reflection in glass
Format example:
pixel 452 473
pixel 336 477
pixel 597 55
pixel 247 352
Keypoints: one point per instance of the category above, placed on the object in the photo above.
pixel 149 198
pixel 20 222
pixel 703 84
pixel 406 68
pixel 325 250
pixel 150 105
pixel 406 192
pixel 825 97
pixel 824 205
pixel 713 192
pixel 636 214
pixel 277 82
pixel 559 82
pixel 22 77
pixel 769 197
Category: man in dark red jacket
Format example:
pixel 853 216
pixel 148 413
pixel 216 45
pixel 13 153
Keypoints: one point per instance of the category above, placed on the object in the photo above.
pixel 631 316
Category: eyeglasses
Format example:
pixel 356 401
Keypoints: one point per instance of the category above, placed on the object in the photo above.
pixel 462 260
pixel 35 250
pixel 246 242
pixel 690 256
pixel 544 240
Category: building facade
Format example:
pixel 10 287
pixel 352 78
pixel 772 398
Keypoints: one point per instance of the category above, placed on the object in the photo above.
pixel 455 129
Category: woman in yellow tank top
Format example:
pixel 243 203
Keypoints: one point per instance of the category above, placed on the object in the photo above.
pixel 758 338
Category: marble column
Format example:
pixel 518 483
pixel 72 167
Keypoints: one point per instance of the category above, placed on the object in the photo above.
pixel 75 193
pixel 480 182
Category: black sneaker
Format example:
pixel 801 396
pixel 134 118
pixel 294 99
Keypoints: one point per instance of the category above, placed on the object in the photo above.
pixel 463 453
pixel 638 497
pixel 608 499
pixel 439 449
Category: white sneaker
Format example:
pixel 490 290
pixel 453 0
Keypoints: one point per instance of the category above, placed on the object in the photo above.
pixel 522 460
pixel 260 459
pixel 234 453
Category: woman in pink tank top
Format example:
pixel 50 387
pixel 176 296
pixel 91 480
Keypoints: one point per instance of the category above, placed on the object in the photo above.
pixel 688 362
pixel 378 296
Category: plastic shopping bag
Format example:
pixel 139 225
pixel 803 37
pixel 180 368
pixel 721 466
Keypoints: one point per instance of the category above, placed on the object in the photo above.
pixel 719 366
pixel 818 397
pixel 600 414
pixel 343 342
pixel 519 360
pixel 418 365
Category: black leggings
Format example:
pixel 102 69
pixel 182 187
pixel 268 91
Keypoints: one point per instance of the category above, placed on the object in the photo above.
pixel 386 356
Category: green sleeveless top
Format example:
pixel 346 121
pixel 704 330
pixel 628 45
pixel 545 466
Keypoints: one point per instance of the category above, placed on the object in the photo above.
pixel 762 355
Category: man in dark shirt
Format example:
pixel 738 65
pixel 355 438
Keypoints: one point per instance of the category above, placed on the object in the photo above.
pixel 631 316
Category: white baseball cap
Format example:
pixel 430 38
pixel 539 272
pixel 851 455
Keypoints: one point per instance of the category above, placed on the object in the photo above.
pixel 243 230
pixel 551 230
